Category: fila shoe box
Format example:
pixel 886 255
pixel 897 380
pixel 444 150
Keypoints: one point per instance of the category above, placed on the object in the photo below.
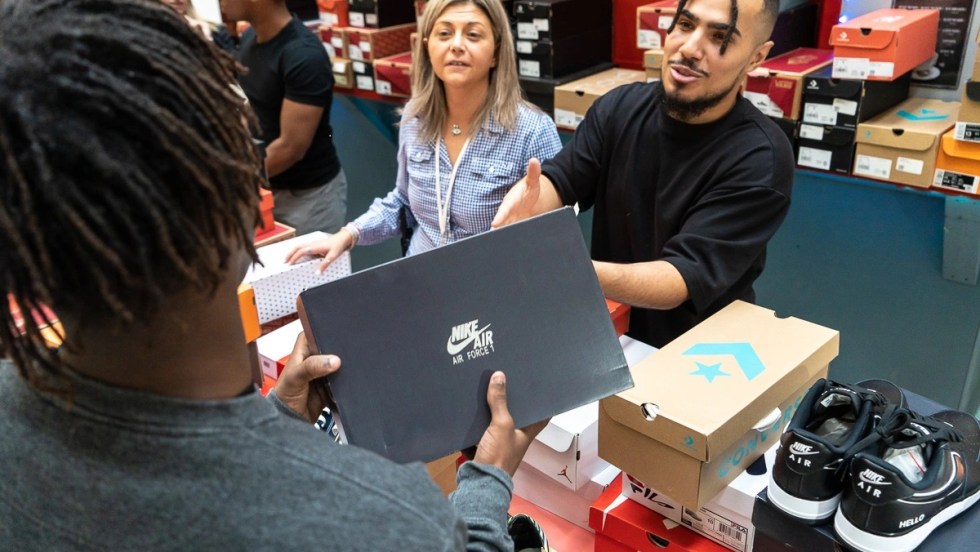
pixel 688 426
pixel 633 527
pixel 776 86
pixel 652 22
pixel 846 102
pixel 958 165
pixel 573 99
pixel 391 75
pixel 775 531
pixel 884 44
pixel 555 19
pixel 727 518
pixel 380 13
pixel 561 56
pixel 901 144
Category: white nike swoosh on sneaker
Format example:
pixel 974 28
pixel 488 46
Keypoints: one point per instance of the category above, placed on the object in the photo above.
pixel 454 348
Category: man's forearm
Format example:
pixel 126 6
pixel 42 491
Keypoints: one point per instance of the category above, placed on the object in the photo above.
pixel 651 285
pixel 279 157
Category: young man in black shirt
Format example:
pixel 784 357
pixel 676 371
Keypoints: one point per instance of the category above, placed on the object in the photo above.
pixel 689 181
pixel 290 87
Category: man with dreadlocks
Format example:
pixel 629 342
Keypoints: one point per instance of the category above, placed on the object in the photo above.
pixel 290 86
pixel 689 181
pixel 128 202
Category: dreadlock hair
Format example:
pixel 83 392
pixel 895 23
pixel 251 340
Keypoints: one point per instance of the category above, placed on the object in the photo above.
pixel 770 10
pixel 126 168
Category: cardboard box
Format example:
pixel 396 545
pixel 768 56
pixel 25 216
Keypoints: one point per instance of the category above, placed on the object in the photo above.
pixel 827 148
pixel 689 425
pixel 573 99
pixel 727 518
pixel 275 347
pixel 249 312
pixel 343 73
pixel 958 165
pixel 653 75
pixel 380 13
pixel 901 144
pixel 443 472
pixel 625 52
pixel 333 13
pixel 279 233
pixel 968 120
pixel 391 75
pixel 652 22
pixel 372 44
pixel 554 19
pixel 616 517
pixel 884 44
pixel 334 40
pixel 572 506
pixel 653 59
pixel 561 56
pixel 847 102
pixel 363 75
pixel 541 91
pixel 277 284
pixel 776 87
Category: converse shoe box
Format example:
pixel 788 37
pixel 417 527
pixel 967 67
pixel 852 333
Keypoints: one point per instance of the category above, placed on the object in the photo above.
pixel 776 86
pixel 687 427
pixel 727 518
pixel 560 56
pixel 417 363
pixel 380 13
pixel 901 144
pixel 776 531
pixel 824 147
pixel 573 99
pixel 846 102
pixel 554 19
pixel 958 165
pixel 541 91
pixel 884 44
pixel 623 521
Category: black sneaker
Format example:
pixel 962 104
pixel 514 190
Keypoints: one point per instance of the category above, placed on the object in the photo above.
pixel 807 478
pixel 527 534
pixel 915 474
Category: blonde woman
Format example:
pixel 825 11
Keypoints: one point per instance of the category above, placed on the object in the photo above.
pixel 466 135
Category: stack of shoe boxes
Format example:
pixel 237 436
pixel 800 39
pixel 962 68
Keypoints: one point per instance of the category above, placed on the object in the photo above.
pixel 832 110
pixel 558 41
pixel 958 163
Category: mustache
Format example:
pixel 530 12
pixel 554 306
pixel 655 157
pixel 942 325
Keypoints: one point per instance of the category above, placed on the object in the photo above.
pixel 688 64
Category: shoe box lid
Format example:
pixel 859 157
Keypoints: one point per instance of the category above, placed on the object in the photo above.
pixel 701 406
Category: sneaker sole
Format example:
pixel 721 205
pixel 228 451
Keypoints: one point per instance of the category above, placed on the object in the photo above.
pixel 808 511
pixel 854 536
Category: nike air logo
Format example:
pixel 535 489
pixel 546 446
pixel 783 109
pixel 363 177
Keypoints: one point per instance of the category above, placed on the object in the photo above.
pixel 455 347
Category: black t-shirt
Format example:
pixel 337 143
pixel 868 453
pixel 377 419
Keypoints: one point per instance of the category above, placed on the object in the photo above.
pixel 705 198
pixel 293 65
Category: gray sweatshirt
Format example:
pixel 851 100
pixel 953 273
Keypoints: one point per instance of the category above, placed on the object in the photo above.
pixel 118 469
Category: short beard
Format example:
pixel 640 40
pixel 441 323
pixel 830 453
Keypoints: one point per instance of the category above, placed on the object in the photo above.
pixel 685 110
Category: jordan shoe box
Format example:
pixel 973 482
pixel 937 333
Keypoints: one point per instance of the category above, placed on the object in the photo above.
pixel 775 531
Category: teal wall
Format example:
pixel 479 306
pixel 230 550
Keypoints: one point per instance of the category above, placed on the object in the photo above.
pixel 859 257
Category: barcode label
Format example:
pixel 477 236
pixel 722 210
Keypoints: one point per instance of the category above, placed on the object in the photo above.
pixel 527 31
pixel 665 21
pixel 851 68
pixel 648 40
pixel 529 68
pixel 815 158
pixel 541 25
pixel 524 46
pixel 811 132
pixel 969 132
pixel 875 167
pixel 565 118
pixel 911 166
pixel 847 107
pixel 355 19
pixel 883 69
pixel 821 114
pixel 365 82
pixel 955 181
pixel 383 88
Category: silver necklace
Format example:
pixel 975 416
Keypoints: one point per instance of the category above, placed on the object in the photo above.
pixel 456 131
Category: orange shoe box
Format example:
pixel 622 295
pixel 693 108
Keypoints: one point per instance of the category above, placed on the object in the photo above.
pixel 391 75
pixel 620 315
pixel 776 87
pixel 249 312
pixel 266 203
pixel 333 13
pixel 957 165
pixel 884 44
pixel 652 22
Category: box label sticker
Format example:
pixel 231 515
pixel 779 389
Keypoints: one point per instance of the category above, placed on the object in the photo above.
pixel 566 118
pixel 337 42
pixel 764 103
pixel 354 52
pixel 883 69
pixel 359 66
pixel 529 68
pixel 366 47
pixel 875 167
pixel 330 19
pixel 524 46
pixel 541 24
pixel 847 107
pixel 648 40
pixel 383 88
pixel 907 165
pixel 811 132
pixel 955 181
pixel 365 82
pixel 821 114
pixel 339 67
pixel 969 132
pixel 665 21
pixel 527 31
pixel 851 68
pixel 356 19
pixel 815 158
pixel 372 19
pixel 718 528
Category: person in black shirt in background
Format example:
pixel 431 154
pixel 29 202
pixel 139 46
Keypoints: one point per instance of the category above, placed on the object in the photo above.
pixel 290 87
pixel 689 181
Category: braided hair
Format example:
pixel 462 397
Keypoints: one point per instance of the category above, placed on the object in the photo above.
pixel 126 168
pixel 770 10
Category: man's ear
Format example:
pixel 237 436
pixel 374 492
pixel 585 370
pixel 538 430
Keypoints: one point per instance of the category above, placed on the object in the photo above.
pixel 760 55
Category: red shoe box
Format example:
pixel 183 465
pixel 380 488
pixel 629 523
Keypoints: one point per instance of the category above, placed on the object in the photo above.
pixel 776 87
pixel 372 44
pixel 620 315
pixel 334 40
pixel 391 75
pixel 625 51
pixel 652 22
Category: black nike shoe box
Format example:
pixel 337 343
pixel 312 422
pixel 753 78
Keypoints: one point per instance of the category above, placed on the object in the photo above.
pixel 420 337
pixel 777 532
pixel 380 13
pixel 554 19
pixel 554 58
pixel 825 148
pixel 847 102
pixel 541 91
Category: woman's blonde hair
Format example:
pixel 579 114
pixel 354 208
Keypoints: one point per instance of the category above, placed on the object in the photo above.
pixel 428 93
